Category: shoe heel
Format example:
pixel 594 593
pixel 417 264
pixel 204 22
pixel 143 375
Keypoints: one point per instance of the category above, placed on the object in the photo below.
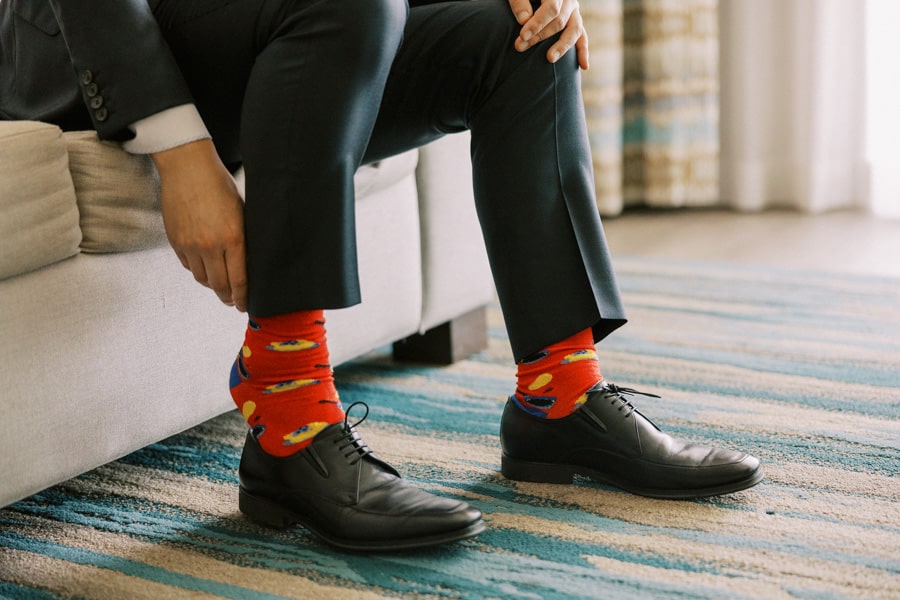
pixel 264 511
pixel 524 470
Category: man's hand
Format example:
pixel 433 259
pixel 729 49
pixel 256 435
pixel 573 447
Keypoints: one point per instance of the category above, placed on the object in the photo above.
pixel 552 17
pixel 204 218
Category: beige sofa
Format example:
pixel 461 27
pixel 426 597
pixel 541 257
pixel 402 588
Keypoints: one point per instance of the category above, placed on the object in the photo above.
pixel 109 345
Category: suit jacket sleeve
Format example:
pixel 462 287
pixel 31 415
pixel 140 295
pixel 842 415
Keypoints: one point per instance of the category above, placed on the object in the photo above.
pixel 122 62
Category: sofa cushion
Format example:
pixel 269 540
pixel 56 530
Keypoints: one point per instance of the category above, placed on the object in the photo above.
pixel 37 199
pixel 118 195
pixel 376 177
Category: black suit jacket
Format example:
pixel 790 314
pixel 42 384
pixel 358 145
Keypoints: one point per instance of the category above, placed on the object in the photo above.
pixel 88 64
pixel 85 64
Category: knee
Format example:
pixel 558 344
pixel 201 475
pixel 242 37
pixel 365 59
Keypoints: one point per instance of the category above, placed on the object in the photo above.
pixel 374 28
pixel 365 33
pixel 387 17
pixel 492 30
pixel 493 23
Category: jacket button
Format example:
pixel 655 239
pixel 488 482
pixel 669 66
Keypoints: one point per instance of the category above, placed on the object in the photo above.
pixel 96 102
pixel 101 114
pixel 92 90
pixel 86 77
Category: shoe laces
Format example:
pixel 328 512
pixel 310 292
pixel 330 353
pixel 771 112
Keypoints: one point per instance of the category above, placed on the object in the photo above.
pixel 350 443
pixel 617 395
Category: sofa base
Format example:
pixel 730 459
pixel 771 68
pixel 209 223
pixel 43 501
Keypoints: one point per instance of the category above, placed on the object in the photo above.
pixel 447 343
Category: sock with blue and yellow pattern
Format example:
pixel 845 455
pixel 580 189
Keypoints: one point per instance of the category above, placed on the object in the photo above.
pixel 553 383
pixel 282 381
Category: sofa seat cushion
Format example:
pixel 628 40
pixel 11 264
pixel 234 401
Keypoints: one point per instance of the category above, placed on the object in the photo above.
pixel 377 177
pixel 37 199
pixel 118 195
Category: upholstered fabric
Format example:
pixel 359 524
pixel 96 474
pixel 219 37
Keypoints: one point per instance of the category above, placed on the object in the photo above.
pixel 118 195
pixel 95 374
pixel 374 178
pixel 390 272
pixel 455 272
pixel 40 218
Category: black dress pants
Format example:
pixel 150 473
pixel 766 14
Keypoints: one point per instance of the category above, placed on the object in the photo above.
pixel 303 92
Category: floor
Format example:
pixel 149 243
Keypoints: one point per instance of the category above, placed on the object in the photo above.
pixel 842 241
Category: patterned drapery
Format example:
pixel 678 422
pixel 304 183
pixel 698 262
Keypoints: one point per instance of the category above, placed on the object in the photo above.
pixel 651 99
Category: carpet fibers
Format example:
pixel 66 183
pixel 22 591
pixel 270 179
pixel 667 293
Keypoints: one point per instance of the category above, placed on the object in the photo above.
pixel 801 369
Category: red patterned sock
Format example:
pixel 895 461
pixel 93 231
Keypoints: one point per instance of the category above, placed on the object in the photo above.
pixel 553 383
pixel 282 382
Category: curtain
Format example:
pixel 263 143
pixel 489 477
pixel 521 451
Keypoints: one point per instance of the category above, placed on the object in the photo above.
pixel 750 104
pixel 651 100
pixel 882 100
pixel 793 104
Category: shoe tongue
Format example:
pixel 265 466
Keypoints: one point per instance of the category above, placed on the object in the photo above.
pixel 600 386
pixel 334 430
pixel 362 449
pixel 350 441
pixel 354 438
pixel 337 433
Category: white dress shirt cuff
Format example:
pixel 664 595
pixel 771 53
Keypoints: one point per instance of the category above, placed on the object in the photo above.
pixel 166 129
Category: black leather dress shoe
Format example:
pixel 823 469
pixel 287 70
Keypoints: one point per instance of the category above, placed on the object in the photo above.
pixel 340 491
pixel 610 441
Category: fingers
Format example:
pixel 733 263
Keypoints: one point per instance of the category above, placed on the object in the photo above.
pixel 196 266
pixel 544 23
pixel 219 265
pixel 236 267
pixel 553 17
pixel 573 36
pixel 223 271
pixel 182 257
pixel 547 21
pixel 217 277
pixel 204 218
pixel 522 10
pixel 581 48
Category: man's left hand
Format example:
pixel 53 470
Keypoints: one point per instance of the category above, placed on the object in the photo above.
pixel 552 17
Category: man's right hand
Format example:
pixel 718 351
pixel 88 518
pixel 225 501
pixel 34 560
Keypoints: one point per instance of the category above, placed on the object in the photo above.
pixel 204 218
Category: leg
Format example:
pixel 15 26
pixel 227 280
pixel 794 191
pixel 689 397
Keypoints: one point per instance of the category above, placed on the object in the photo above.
pixel 301 84
pixel 290 89
pixel 457 69
pixel 534 195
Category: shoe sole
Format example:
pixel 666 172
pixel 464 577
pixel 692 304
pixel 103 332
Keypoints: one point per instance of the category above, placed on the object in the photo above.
pixel 274 515
pixel 536 472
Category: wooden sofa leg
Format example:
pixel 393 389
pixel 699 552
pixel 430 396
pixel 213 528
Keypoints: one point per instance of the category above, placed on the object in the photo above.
pixel 447 343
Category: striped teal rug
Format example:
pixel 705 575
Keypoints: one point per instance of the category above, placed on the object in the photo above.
pixel 799 368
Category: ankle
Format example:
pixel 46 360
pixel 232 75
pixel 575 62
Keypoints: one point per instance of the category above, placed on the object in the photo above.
pixel 282 381
pixel 553 382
